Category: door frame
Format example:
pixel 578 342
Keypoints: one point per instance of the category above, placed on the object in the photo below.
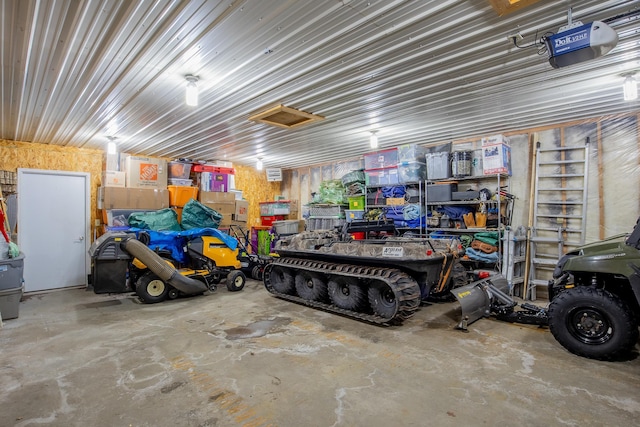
pixel 87 212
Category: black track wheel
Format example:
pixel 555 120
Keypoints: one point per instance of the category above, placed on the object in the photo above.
pixel 282 280
pixel 151 289
pixel 382 300
pixel 346 293
pixel 593 323
pixel 311 286
pixel 236 280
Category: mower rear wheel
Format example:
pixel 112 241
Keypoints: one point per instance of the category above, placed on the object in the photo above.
pixel 236 280
pixel 151 289
pixel 256 272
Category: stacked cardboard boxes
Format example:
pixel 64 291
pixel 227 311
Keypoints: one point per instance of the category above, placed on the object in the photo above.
pixel 234 212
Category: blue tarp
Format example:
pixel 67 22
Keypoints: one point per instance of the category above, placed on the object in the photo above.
pixel 176 241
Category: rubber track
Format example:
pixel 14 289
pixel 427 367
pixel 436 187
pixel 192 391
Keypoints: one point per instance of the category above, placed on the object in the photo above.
pixel 404 286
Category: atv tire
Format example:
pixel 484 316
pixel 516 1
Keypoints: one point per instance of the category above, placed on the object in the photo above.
pixel 593 323
pixel 151 289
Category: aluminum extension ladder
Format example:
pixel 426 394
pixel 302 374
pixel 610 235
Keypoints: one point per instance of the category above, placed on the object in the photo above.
pixel 560 209
pixel 513 259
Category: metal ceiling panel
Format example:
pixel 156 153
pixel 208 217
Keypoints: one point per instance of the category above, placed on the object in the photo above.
pixel 75 72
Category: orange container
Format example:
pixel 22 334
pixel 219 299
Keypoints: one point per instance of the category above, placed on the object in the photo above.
pixel 179 195
pixel 179 212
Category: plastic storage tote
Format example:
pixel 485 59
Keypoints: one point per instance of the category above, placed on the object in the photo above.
pixel 438 165
pixel 10 302
pixel 381 159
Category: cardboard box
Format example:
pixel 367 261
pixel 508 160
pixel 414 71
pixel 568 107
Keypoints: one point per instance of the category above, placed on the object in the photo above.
pixel 227 221
pixel 215 197
pixel 225 209
pixel 132 198
pixel 395 201
pixel 495 139
pixel 113 179
pixel 496 159
pixel 146 172
pixel 242 211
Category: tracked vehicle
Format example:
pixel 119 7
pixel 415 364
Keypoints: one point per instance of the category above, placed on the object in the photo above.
pixel 381 281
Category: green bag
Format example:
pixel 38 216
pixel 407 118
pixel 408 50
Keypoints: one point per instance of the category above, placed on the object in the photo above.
pixel 197 215
pixel 490 237
pixel 160 220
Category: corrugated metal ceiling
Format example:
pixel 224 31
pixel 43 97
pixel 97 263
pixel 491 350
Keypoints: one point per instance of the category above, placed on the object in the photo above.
pixel 75 72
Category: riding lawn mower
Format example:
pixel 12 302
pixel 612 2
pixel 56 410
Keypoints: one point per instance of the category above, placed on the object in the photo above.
pixel 165 265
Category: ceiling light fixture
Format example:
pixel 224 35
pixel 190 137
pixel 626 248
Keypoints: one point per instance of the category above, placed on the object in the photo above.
pixel 373 139
pixel 259 164
pixel 111 145
pixel 192 91
pixel 630 88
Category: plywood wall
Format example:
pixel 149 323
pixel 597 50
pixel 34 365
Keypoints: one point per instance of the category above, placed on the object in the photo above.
pixel 28 155
pixel 15 154
pixel 255 189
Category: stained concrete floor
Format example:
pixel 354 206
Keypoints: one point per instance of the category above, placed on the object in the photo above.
pixel 74 358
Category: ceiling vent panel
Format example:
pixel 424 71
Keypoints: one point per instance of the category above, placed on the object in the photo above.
pixel 285 117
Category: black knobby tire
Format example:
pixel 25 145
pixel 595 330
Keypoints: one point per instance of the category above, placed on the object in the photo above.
pixel 151 289
pixel 311 286
pixel 593 323
pixel 347 293
pixel 282 280
pixel 236 280
pixel 383 300
pixel 256 272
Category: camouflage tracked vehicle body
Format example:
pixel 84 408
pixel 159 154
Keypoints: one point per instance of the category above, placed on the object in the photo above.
pixel 380 281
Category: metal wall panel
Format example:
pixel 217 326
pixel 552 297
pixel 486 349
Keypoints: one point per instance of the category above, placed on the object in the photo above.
pixel 75 72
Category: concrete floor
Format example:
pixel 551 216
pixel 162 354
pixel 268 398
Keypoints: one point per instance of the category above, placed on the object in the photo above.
pixel 248 359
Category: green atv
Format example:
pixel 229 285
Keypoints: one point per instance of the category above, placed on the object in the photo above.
pixel 595 298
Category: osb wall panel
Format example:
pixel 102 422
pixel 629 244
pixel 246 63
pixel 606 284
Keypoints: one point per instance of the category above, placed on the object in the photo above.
pixel 255 189
pixel 15 154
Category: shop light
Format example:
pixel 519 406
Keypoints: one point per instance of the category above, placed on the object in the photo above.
pixel 373 139
pixel 259 163
pixel 111 145
pixel 630 88
pixel 192 91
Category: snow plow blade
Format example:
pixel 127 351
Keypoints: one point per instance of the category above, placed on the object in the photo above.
pixel 488 297
pixel 477 298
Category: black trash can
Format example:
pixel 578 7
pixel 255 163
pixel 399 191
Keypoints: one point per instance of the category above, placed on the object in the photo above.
pixel 109 263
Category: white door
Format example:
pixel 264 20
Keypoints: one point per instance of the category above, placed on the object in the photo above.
pixel 53 228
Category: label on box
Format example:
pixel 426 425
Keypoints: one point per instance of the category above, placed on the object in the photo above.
pixel 242 210
pixel 496 159
pixel 495 139
pixel 113 179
